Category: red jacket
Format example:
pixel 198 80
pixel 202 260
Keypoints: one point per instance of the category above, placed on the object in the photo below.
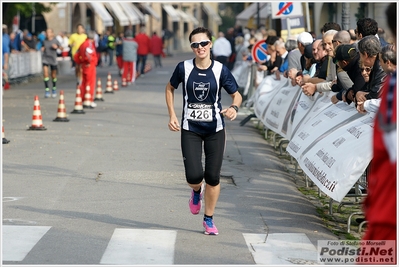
pixel 144 44
pixel 380 204
pixel 86 53
pixel 156 45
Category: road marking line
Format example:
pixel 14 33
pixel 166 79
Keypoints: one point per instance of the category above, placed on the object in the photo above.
pixel 18 240
pixel 140 246
pixel 281 248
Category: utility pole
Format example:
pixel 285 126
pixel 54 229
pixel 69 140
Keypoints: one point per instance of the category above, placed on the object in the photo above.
pixel 33 18
pixel 345 16
pixel 258 15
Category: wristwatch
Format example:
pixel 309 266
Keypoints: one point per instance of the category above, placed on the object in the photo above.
pixel 235 107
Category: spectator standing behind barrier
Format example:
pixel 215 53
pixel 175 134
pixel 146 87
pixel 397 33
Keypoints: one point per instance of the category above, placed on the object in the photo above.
pixel 49 60
pixel 40 40
pixel 274 61
pixel 381 36
pixel 318 53
pixel 28 43
pixel 296 61
pixel 86 56
pixel 6 54
pixel 369 47
pixel 347 58
pixel 103 47
pixel 202 121
pixel 75 40
pixel 111 48
pixel 156 49
pixel 17 43
pixel 241 51
pixel 310 65
pixel 330 26
pixel 63 40
pixel 143 50
pixel 353 36
pixel 365 27
pixel 129 54
pixel 380 205
pixel 119 52
pixel 231 34
pixel 326 71
pixel 388 64
pixel 221 49
pixel 283 53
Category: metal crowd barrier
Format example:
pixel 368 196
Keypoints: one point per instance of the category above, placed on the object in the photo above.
pixel 24 64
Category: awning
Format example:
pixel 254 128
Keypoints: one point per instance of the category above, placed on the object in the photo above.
pixel 212 13
pixel 150 11
pixel 173 14
pixel 183 15
pixel 250 11
pixel 265 11
pixel 133 13
pixel 117 10
pixel 100 10
pixel 187 18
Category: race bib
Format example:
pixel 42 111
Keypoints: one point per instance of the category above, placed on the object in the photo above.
pixel 199 112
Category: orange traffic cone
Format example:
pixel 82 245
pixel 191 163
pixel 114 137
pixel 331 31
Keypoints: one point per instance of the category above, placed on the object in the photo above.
pixel 5 141
pixel 124 83
pixel 108 89
pixel 99 91
pixel 78 103
pixel 37 123
pixel 87 101
pixel 61 113
pixel 116 88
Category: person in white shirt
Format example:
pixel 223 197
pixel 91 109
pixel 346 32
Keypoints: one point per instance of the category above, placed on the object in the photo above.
pixel 221 49
pixel 63 40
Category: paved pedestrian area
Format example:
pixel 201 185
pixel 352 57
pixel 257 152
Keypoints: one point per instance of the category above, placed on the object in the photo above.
pixel 108 187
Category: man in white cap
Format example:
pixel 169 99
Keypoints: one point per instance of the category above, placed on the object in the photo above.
pixel 296 60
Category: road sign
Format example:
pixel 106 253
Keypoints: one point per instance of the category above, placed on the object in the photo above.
pixel 282 10
pixel 259 51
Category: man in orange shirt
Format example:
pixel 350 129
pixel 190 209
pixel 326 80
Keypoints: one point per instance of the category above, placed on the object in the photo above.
pixel 143 50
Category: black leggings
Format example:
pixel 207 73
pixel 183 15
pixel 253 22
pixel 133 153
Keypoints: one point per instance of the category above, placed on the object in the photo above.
pixel 191 146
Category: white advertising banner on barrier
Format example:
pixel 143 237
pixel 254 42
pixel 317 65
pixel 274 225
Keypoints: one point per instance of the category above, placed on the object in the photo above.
pixel 331 143
pixel 278 112
pixel 265 92
pixel 337 160
pixel 308 107
pixel 319 126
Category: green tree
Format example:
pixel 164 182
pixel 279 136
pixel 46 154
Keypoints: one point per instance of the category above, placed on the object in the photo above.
pixel 230 11
pixel 25 9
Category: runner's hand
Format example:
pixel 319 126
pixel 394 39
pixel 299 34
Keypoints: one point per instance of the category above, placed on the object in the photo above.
pixel 229 113
pixel 174 125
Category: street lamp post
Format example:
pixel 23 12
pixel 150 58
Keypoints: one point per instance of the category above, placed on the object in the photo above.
pixel 33 18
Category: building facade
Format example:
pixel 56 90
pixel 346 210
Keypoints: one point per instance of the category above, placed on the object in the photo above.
pixel 176 19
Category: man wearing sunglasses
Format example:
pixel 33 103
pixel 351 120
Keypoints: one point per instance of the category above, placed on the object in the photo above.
pixel 369 48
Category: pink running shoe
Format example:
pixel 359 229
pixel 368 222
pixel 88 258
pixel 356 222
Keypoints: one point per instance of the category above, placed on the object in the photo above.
pixel 210 228
pixel 195 202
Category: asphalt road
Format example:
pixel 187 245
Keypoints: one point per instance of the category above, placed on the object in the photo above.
pixel 108 186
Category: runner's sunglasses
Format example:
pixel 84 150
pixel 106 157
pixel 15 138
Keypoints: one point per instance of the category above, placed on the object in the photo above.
pixel 203 43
